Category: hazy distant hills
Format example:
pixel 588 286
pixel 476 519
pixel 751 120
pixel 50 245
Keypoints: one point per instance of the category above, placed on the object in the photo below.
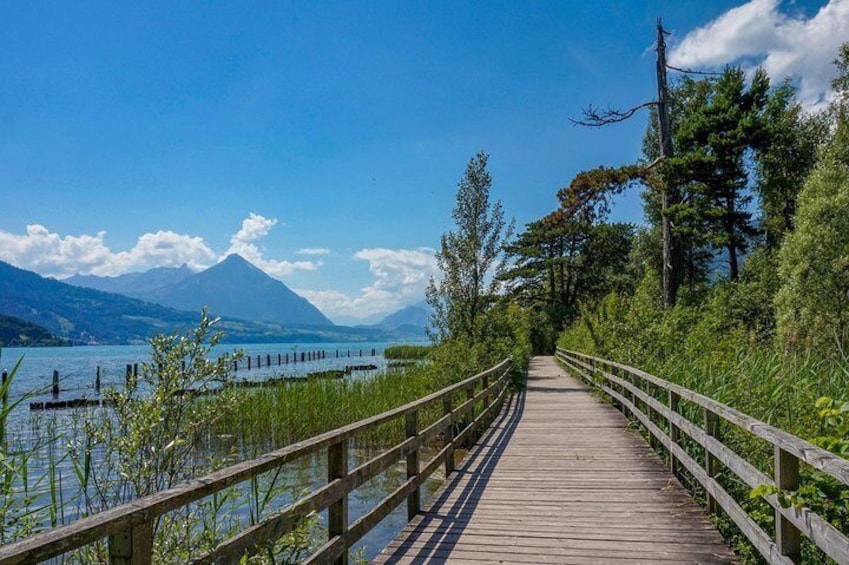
pixel 415 315
pixel 89 316
pixel 234 287
pixel 134 285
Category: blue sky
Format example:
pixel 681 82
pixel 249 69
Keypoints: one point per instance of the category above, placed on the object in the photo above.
pixel 324 140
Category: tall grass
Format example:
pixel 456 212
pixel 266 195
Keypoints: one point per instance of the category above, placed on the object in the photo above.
pixel 684 346
pixel 273 417
pixel 407 351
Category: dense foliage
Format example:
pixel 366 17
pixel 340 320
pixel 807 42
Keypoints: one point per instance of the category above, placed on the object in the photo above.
pixel 762 317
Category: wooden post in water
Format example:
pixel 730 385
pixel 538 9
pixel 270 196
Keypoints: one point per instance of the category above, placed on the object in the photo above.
pixel 711 464
pixel 5 400
pixel 259 361
pixel 129 374
pixel 279 359
pixel 788 538
pixel 135 369
pixel 414 501
pixel 249 362
pixel 302 356
pixel 361 352
pixel 337 512
pixel 55 382
pixel 235 365
pixel 337 354
pixel 372 351
pixel 96 380
pixel 267 360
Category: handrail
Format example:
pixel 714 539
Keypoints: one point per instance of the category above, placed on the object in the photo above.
pixel 130 526
pixel 632 387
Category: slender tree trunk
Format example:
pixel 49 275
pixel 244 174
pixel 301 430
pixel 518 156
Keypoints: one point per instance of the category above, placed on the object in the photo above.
pixel 672 260
pixel 730 234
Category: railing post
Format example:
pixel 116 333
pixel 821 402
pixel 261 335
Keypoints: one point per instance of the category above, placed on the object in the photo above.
pixel 472 437
pixel 414 501
pixel 132 547
pixel 337 513
pixel 486 397
pixel 674 432
pixel 787 536
pixel 650 412
pixel 449 437
pixel 711 464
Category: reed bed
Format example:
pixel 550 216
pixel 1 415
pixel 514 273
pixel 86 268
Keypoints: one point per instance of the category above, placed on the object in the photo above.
pixel 273 417
pixel 407 351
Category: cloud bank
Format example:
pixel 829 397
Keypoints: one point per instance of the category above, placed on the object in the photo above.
pixel 256 227
pixel 55 255
pixel 762 33
pixel 400 277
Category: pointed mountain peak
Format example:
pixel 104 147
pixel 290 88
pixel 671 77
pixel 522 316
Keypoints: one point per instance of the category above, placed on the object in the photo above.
pixel 234 262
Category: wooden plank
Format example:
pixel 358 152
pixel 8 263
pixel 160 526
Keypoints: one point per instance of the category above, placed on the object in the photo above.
pixel 824 535
pixel 559 479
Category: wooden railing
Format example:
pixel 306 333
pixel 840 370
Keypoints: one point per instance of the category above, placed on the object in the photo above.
pixel 129 527
pixel 635 392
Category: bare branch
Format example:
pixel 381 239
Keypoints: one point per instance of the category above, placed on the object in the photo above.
pixel 593 117
pixel 692 72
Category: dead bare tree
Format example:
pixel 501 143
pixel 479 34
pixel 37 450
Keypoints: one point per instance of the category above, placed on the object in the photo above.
pixel 593 117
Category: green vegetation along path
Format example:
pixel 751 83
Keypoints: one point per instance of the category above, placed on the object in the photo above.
pixel 558 479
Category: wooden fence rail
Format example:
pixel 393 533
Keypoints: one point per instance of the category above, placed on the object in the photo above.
pixel 635 393
pixel 130 527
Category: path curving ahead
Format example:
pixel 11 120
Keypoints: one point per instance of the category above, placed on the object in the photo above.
pixel 559 479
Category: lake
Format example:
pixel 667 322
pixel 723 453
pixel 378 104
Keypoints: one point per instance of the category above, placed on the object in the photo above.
pixel 77 367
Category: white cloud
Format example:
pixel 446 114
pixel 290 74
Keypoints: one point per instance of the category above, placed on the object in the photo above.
pixel 400 278
pixel 61 256
pixel 313 251
pixel 758 33
pixel 52 254
pixel 256 227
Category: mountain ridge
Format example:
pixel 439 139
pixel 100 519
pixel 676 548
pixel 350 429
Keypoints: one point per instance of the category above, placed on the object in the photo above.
pixel 89 316
pixel 233 287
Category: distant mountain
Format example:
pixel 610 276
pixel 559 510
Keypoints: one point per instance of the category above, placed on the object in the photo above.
pixel 134 285
pixel 83 315
pixel 414 316
pixel 88 316
pixel 15 332
pixel 236 288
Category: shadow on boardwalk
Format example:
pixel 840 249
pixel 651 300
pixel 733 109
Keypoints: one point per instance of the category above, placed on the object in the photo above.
pixel 558 479
pixel 457 500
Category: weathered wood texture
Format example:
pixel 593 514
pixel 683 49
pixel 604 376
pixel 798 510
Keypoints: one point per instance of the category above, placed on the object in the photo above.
pixel 636 393
pixel 558 479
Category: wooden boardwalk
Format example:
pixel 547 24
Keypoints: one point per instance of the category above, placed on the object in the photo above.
pixel 558 479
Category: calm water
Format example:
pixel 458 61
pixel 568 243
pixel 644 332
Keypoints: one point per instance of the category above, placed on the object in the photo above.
pixel 77 367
